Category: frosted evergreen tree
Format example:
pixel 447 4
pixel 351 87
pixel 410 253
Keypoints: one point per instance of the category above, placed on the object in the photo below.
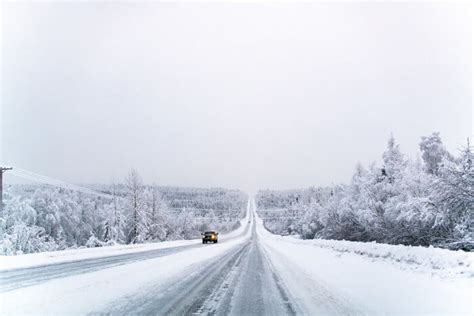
pixel 114 223
pixel 393 160
pixel 157 212
pixel 138 219
pixel 433 152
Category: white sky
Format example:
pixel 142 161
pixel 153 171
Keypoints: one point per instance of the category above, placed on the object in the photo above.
pixel 252 95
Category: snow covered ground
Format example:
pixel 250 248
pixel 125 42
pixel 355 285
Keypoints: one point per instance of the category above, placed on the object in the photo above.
pixel 351 277
pixel 71 255
pixel 441 262
pixel 252 271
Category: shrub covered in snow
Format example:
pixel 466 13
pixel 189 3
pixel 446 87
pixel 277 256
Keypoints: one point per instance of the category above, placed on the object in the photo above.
pixel 94 242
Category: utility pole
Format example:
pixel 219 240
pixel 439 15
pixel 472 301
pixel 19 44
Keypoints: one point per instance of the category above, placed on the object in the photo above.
pixel 2 170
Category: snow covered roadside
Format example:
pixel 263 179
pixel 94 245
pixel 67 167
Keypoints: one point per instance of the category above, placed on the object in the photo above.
pixel 94 291
pixel 70 255
pixel 54 257
pixel 357 279
pixel 441 262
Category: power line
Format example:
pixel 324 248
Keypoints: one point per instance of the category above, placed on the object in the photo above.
pixel 39 178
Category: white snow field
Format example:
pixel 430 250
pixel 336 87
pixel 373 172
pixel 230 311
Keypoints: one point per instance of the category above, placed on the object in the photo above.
pixel 249 272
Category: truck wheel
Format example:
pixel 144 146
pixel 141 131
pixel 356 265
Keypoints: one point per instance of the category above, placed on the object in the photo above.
pixel 215 241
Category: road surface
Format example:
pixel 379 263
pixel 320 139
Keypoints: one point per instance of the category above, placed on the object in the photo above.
pixel 249 272
pixel 240 282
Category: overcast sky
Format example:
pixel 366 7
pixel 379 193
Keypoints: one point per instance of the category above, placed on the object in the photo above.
pixel 250 96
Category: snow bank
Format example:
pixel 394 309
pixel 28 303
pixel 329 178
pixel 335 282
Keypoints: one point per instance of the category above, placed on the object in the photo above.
pixel 434 260
pixel 69 255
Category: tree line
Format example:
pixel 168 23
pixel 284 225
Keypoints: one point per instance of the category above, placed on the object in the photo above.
pixel 426 201
pixel 38 218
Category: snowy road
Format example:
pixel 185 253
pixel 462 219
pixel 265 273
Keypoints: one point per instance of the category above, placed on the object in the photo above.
pixel 248 272
pixel 240 282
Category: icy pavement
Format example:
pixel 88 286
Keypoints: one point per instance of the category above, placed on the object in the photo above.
pixel 249 272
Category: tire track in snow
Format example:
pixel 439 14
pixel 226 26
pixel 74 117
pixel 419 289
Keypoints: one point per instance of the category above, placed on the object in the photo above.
pixel 240 281
pixel 253 288
pixel 185 296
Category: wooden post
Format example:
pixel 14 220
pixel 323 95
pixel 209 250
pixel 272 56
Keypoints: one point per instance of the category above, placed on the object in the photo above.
pixel 2 170
pixel 1 189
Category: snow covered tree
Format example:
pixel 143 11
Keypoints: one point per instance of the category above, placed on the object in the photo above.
pixel 185 226
pixel 311 223
pixel 157 212
pixel 87 220
pixel 19 232
pixel 455 195
pixel 433 152
pixel 411 212
pixel 114 223
pixel 137 219
pixel 393 160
